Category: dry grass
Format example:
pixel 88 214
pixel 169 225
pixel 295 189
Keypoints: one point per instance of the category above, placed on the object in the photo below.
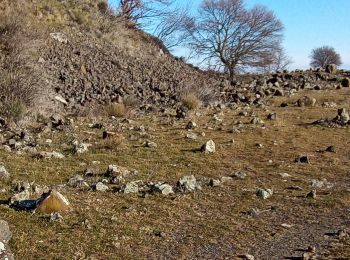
pixel 116 109
pixel 190 101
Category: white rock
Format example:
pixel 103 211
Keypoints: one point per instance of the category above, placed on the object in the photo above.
pixel 3 173
pixel 264 193
pixel 61 99
pixel 208 147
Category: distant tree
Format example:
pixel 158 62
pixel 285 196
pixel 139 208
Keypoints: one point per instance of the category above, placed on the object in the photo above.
pixel 231 37
pixel 323 56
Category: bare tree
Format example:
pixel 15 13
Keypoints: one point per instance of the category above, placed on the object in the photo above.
pixel 231 37
pixel 141 11
pixel 323 56
pixel 280 61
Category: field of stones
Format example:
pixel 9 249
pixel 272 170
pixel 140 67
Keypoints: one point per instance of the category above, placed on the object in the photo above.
pixel 225 182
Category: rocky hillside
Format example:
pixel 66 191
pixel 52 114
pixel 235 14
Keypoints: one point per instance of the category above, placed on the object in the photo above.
pixel 80 57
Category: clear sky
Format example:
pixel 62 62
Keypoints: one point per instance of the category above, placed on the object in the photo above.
pixel 308 24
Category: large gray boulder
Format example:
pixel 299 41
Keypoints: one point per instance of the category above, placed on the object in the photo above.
pixel 5 236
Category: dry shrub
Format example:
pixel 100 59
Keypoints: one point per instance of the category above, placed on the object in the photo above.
pixel 190 101
pixel 130 102
pixel 111 142
pixel 18 81
pixel 116 109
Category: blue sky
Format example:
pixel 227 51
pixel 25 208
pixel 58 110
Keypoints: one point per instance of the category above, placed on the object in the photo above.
pixel 308 24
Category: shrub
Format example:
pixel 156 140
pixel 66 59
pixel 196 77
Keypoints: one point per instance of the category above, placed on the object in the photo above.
pixel 12 110
pixel 112 142
pixel 345 82
pixel 116 109
pixel 130 101
pixel 18 81
pixel 190 101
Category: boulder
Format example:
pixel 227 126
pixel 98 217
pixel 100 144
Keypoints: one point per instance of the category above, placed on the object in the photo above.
pixel 162 188
pixel 208 147
pixel 264 193
pixel 188 184
pixel 4 173
pixel 131 187
pixel 101 187
pixel 51 202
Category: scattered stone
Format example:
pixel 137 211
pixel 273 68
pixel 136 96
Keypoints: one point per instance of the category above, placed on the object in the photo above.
pixel 20 196
pixel 272 116
pixel 115 171
pixel 306 101
pixel 150 144
pixel 191 136
pixel 240 175
pixel 60 37
pixel 131 187
pixel 343 115
pixel 264 193
pixel 225 179
pixel 317 184
pixel 284 104
pixel 50 155
pixel 303 159
pixel 248 257
pixel 188 184
pixel 208 147
pixel 4 173
pixel 182 112
pixel 330 149
pixel 61 99
pixel 311 194
pixel 80 148
pixel 77 182
pixel 191 125
pixel 331 68
pixel 285 225
pixel 101 187
pixel 329 104
pixel 310 254
pixel 284 175
pixel 53 201
pixel 214 182
pixel 163 188
pixel 55 216
pixel 257 121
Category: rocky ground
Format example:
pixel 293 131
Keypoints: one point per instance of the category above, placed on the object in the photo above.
pixel 250 181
